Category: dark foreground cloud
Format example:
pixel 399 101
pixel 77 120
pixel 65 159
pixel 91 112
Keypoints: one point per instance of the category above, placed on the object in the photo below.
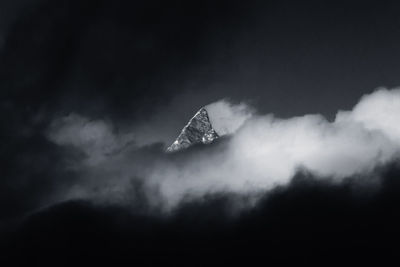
pixel 307 221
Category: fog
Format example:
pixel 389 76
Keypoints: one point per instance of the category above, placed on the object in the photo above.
pixel 259 153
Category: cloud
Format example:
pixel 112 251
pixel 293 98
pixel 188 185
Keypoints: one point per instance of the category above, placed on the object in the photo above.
pixel 377 111
pixel 312 221
pixel 96 138
pixel 226 118
pixel 260 152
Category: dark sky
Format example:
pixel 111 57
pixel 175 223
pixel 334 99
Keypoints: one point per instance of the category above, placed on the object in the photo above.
pixel 150 65
pixel 128 59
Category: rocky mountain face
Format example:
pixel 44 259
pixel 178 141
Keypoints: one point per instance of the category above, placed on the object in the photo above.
pixel 198 130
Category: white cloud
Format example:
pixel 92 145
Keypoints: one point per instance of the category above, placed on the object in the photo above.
pixel 267 151
pixel 264 151
pixel 96 138
pixel 377 111
pixel 226 118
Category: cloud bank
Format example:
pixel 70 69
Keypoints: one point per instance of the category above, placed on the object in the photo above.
pixel 227 118
pixel 260 152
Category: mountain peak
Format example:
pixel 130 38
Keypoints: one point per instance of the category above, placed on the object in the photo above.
pixel 198 130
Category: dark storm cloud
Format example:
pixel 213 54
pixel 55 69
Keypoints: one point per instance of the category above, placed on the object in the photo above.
pixel 31 174
pixel 307 221
pixel 124 59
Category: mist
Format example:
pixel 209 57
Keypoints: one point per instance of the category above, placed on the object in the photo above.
pixel 257 153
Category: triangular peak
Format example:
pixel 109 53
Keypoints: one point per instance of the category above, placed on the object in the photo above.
pixel 198 130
